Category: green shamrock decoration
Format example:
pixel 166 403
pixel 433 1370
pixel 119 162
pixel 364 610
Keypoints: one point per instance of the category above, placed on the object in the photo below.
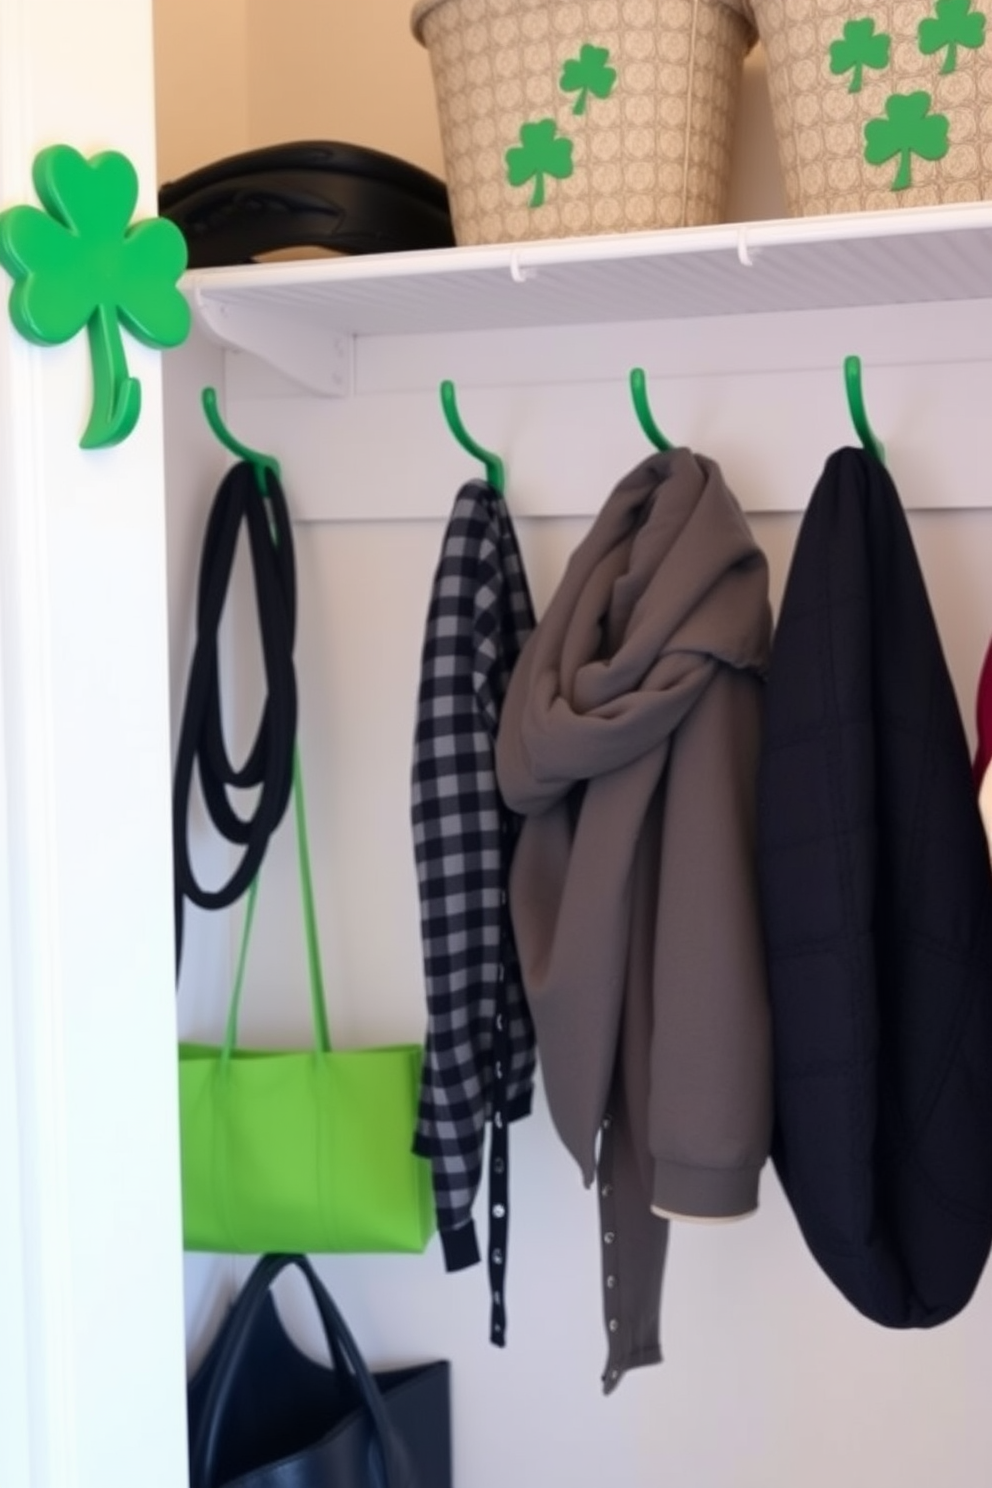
pixel 588 73
pixel 859 47
pixel 79 263
pixel 909 129
pixel 542 152
pixel 954 25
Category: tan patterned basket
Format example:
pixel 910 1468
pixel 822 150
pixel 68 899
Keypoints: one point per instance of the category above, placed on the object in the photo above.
pixel 883 104
pixel 588 116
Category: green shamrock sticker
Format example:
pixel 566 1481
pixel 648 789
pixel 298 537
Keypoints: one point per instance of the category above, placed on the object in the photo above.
pixel 588 73
pixel 954 25
pixel 859 47
pixel 542 151
pixel 79 263
pixel 908 129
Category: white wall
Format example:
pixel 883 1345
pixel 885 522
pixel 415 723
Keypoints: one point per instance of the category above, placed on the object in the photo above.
pixel 771 1380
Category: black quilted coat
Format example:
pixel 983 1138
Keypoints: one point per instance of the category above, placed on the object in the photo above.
pixel 877 902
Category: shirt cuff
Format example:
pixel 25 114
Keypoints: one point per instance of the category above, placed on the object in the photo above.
pixel 519 1105
pixel 461 1248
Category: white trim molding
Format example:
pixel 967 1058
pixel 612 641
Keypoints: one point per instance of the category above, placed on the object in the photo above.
pixel 88 1114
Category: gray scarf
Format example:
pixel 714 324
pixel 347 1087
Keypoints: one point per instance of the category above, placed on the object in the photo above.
pixel 628 741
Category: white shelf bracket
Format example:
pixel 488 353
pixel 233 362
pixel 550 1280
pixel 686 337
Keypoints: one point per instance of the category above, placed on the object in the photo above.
pixel 320 361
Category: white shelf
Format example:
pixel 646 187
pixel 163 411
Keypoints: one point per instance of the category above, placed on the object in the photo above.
pixel 302 316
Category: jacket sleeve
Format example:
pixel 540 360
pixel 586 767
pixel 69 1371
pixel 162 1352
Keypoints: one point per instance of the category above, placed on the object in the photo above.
pixel 710 1113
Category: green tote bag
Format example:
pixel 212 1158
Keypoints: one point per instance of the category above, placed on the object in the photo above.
pixel 301 1150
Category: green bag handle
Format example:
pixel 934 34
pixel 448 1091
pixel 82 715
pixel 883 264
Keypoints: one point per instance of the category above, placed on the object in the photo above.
pixel 322 1036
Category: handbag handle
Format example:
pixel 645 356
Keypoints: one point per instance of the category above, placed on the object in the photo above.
pixel 318 1005
pixel 393 1467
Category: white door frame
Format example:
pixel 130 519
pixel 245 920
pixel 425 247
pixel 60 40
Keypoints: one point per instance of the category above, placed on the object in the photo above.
pixel 91 1343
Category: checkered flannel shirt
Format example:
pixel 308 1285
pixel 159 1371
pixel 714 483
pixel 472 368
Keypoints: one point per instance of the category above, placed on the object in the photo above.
pixel 479 1053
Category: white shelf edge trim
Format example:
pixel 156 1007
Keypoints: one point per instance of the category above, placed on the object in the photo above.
pixel 522 260
pixel 302 316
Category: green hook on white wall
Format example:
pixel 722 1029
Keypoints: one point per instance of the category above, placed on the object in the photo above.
pixel 259 463
pixel 495 473
pixel 639 393
pixel 856 404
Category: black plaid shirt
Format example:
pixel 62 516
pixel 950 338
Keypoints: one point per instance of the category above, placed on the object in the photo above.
pixel 479 1054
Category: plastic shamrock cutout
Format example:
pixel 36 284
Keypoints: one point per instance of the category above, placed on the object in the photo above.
pixel 542 152
pixel 909 129
pixel 79 263
pixel 954 25
pixel 587 73
pixel 860 46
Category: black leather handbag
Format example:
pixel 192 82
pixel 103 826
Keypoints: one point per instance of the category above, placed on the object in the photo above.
pixel 263 1415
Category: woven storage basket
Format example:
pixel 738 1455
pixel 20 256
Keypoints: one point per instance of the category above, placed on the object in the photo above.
pixel 883 144
pixel 588 116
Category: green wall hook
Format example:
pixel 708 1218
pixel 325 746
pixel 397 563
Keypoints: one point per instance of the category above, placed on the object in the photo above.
pixel 259 463
pixel 82 262
pixel 639 393
pixel 495 473
pixel 856 404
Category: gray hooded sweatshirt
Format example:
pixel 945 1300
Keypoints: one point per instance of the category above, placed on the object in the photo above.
pixel 629 741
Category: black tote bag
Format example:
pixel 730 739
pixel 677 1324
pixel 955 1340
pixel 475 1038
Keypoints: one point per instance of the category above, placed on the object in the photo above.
pixel 263 1415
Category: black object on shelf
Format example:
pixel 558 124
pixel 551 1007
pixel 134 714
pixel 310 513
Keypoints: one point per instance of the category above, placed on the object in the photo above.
pixel 321 194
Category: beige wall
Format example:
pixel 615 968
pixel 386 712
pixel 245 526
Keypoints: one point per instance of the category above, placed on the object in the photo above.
pixel 201 82
pixel 350 72
pixel 232 74
pixel 756 189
